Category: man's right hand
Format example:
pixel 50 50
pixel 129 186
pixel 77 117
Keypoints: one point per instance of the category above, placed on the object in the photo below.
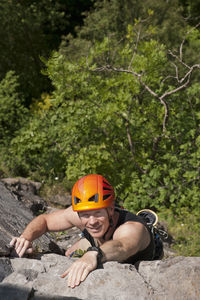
pixel 21 245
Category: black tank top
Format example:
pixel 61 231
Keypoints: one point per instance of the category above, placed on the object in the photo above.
pixel 125 216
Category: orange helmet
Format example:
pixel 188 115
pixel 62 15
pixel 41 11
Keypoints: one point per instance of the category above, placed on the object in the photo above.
pixel 92 192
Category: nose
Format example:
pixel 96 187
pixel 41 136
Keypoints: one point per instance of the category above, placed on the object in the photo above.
pixel 92 220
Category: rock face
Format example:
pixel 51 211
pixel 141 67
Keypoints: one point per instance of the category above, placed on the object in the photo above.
pixel 14 217
pixel 26 192
pixel 31 278
pixel 175 278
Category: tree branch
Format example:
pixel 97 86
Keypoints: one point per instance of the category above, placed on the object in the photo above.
pixel 182 82
pixel 130 140
pixel 111 68
pixel 183 41
pixel 178 58
pixel 135 48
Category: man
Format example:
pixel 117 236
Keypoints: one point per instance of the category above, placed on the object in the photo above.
pixel 111 233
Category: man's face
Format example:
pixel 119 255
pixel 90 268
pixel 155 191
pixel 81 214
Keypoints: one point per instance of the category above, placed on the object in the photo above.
pixel 95 221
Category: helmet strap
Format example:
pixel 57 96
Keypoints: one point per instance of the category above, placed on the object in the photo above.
pixel 110 224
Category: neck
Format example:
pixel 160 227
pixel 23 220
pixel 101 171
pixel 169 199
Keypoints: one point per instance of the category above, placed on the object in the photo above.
pixel 110 230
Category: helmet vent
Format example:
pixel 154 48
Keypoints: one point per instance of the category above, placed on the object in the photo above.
pixel 105 197
pixel 106 183
pixel 106 189
pixel 94 198
pixel 76 200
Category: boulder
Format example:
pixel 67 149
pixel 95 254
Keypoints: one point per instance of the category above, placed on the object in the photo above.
pixel 14 217
pixel 5 268
pixel 63 200
pixel 26 192
pixel 173 278
pixel 16 214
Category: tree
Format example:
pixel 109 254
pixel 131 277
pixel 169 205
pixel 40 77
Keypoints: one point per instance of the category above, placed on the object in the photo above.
pixel 31 30
pixel 111 18
pixel 12 113
pixel 123 109
pixel 191 10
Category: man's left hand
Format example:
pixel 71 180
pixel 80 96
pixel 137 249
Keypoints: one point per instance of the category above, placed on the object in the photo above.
pixel 80 269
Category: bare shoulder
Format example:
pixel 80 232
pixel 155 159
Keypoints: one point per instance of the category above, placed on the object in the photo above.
pixel 72 217
pixel 62 219
pixel 130 229
pixel 133 232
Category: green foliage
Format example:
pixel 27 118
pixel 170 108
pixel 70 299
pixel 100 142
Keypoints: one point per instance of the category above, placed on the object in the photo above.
pixel 110 18
pixel 191 10
pixel 100 119
pixel 98 122
pixel 113 108
pixel 13 115
pixel 185 228
pixel 12 112
pixel 35 150
pixel 172 178
pixel 78 253
pixel 31 30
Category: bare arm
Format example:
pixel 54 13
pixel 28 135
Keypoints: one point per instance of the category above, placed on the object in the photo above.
pixel 128 239
pixel 56 221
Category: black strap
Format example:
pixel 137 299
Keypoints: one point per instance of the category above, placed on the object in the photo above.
pixel 89 238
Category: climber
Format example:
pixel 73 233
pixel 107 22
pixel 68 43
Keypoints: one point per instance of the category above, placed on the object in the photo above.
pixel 110 233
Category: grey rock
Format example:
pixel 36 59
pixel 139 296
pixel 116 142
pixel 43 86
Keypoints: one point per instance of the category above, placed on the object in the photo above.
pixel 68 237
pixel 113 282
pixel 26 184
pixel 26 191
pixel 63 200
pixel 173 278
pixel 20 279
pixel 39 279
pixel 14 292
pixel 19 264
pixel 17 285
pixel 14 218
pixel 5 268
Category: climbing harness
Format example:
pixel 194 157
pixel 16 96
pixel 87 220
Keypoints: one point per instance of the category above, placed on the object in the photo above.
pixel 151 219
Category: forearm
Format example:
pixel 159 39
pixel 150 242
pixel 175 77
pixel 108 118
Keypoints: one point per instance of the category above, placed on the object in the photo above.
pixel 114 250
pixel 128 239
pixel 35 228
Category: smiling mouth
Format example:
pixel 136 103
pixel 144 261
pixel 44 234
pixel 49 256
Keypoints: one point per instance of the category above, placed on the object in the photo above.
pixel 95 229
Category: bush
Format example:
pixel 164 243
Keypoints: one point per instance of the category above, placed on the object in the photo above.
pixel 12 112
